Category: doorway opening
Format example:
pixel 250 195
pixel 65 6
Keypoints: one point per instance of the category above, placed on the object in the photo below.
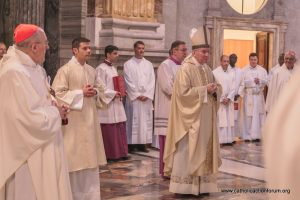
pixel 243 42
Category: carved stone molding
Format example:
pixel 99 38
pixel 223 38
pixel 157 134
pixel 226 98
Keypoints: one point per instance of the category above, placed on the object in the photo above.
pixel 279 8
pixel 123 34
pixel 135 10
pixel 214 8
pixel 217 25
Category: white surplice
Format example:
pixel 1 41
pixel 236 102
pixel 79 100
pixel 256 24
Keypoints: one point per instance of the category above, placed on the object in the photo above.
pixel 140 81
pixel 163 90
pixel 279 79
pixel 254 102
pixel 114 112
pixel 164 86
pixel 226 112
pixel 272 71
pixel 270 88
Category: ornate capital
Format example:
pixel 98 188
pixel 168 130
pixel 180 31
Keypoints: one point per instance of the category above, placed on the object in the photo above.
pixel 135 10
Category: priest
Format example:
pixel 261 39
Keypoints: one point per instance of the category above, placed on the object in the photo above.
pixel 140 84
pixel 254 80
pixel 282 142
pixel 225 76
pixel 166 73
pixel 77 85
pixel 279 79
pixel 33 164
pixel 192 155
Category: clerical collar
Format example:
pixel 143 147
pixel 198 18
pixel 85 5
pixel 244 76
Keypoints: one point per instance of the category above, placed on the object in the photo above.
pixel 76 61
pixel 253 67
pixel 107 62
pixel 138 58
pixel 175 61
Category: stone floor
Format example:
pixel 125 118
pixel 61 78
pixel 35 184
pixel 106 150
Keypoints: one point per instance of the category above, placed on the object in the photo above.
pixel 138 178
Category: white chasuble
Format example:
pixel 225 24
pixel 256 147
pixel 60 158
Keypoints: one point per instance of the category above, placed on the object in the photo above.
pixel 82 136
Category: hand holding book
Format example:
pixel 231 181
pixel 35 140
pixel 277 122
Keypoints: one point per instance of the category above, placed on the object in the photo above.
pixel 119 85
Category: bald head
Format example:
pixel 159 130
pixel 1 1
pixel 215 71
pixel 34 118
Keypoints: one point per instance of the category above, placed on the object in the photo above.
pixel 224 62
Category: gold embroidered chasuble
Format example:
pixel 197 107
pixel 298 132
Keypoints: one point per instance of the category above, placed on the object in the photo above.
pixel 194 113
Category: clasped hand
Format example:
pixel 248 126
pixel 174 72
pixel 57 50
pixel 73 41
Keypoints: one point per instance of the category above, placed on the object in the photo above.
pixel 211 88
pixel 142 98
pixel 225 101
pixel 63 109
pixel 89 91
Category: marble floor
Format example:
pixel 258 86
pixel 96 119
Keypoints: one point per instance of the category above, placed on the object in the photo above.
pixel 138 178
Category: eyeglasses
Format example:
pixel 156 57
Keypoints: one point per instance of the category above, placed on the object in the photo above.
pixel 291 59
pixel 183 50
pixel 45 42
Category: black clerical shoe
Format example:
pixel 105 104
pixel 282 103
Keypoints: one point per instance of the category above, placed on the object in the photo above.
pixel 126 157
pixel 131 149
pixel 112 160
pixel 145 150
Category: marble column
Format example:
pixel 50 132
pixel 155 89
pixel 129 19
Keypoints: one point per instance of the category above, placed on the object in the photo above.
pixel 51 26
pixel 72 24
pixel 14 12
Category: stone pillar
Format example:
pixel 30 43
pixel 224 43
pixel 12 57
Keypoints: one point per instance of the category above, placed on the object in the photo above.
pixel 158 10
pixel 123 22
pixel 279 8
pixel 51 27
pixel 171 21
pixel 20 11
pixel 72 24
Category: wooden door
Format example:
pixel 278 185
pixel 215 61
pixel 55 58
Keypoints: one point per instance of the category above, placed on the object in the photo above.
pixel 242 48
pixel 262 50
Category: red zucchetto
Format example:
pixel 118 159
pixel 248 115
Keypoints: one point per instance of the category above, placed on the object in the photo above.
pixel 24 31
pixel 291 53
